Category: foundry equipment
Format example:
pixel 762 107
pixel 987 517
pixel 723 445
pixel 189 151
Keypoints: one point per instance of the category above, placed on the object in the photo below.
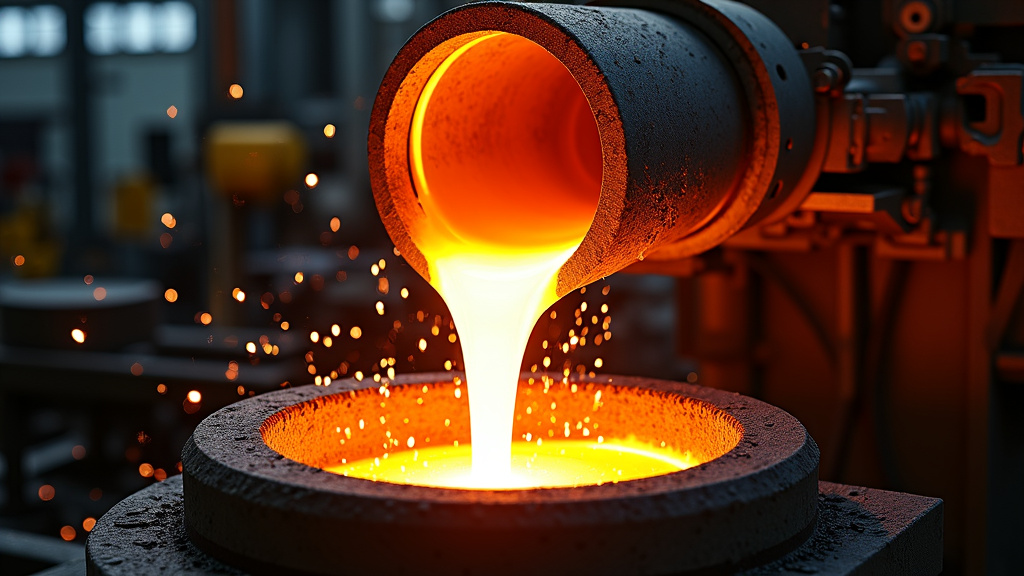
pixel 838 188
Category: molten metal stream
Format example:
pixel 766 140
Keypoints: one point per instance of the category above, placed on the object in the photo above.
pixel 498 226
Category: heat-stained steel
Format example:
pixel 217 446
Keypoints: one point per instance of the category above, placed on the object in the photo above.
pixel 701 110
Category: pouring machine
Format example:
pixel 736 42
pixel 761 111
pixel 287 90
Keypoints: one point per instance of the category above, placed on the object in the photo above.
pixel 839 189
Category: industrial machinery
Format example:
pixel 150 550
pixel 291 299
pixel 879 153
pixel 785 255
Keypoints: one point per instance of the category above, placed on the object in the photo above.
pixel 839 188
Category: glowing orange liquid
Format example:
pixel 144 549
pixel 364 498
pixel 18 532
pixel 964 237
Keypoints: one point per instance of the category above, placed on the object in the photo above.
pixel 507 197
pixel 551 464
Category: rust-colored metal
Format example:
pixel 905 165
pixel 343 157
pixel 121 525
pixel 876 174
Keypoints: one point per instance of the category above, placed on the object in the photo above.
pixel 255 496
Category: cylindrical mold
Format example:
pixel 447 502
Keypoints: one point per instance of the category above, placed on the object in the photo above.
pixel 256 496
pixel 676 128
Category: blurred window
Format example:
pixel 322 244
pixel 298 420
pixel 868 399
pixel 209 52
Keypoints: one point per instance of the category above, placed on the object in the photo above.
pixel 39 30
pixel 140 27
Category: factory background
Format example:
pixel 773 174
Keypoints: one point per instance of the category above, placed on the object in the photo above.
pixel 121 174
pixel 107 115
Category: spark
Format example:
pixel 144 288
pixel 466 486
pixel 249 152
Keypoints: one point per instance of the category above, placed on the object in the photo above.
pixel 330 130
pixel 171 295
pixel 168 220
pixel 312 180
pixel 46 492
pixel 194 396
pixel 78 335
pixel 335 224
pixel 172 111
pixel 235 91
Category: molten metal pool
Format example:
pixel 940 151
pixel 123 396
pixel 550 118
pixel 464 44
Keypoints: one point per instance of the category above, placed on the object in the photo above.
pixel 734 480
pixel 565 435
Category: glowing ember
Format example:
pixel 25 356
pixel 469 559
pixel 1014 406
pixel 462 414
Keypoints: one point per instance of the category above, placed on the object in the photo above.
pixel 312 180
pixel 235 91
pixel 172 111
pixel 46 492
pixel 171 295
pixel 329 130
pixel 78 335
pixel 194 396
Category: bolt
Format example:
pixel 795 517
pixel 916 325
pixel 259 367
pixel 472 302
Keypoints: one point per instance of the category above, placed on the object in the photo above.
pixel 824 80
pixel 916 16
pixel 912 208
pixel 917 51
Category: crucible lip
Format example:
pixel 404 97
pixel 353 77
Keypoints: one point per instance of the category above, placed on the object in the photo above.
pixel 249 505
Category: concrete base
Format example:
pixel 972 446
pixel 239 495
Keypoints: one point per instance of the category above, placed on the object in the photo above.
pixel 859 531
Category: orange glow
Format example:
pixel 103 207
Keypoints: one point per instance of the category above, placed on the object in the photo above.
pixel 299 277
pixel 171 295
pixel 78 452
pixel 168 220
pixel 235 91
pixel 19 260
pixel 480 169
pixel 194 396
pixel 335 224
pixel 136 369
pixel 145 470
pixel 88 279
pixel 78 335
pixel 312 180
pixel 46 492
pixel 172 111
pixel 205 318
pixel 356 332
pixel 548 464
pixel 237 294
pixel 68 533
pixel 161 388
pixel 88 524
pixel 99 293
pixel 314 336
pixel 329 130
